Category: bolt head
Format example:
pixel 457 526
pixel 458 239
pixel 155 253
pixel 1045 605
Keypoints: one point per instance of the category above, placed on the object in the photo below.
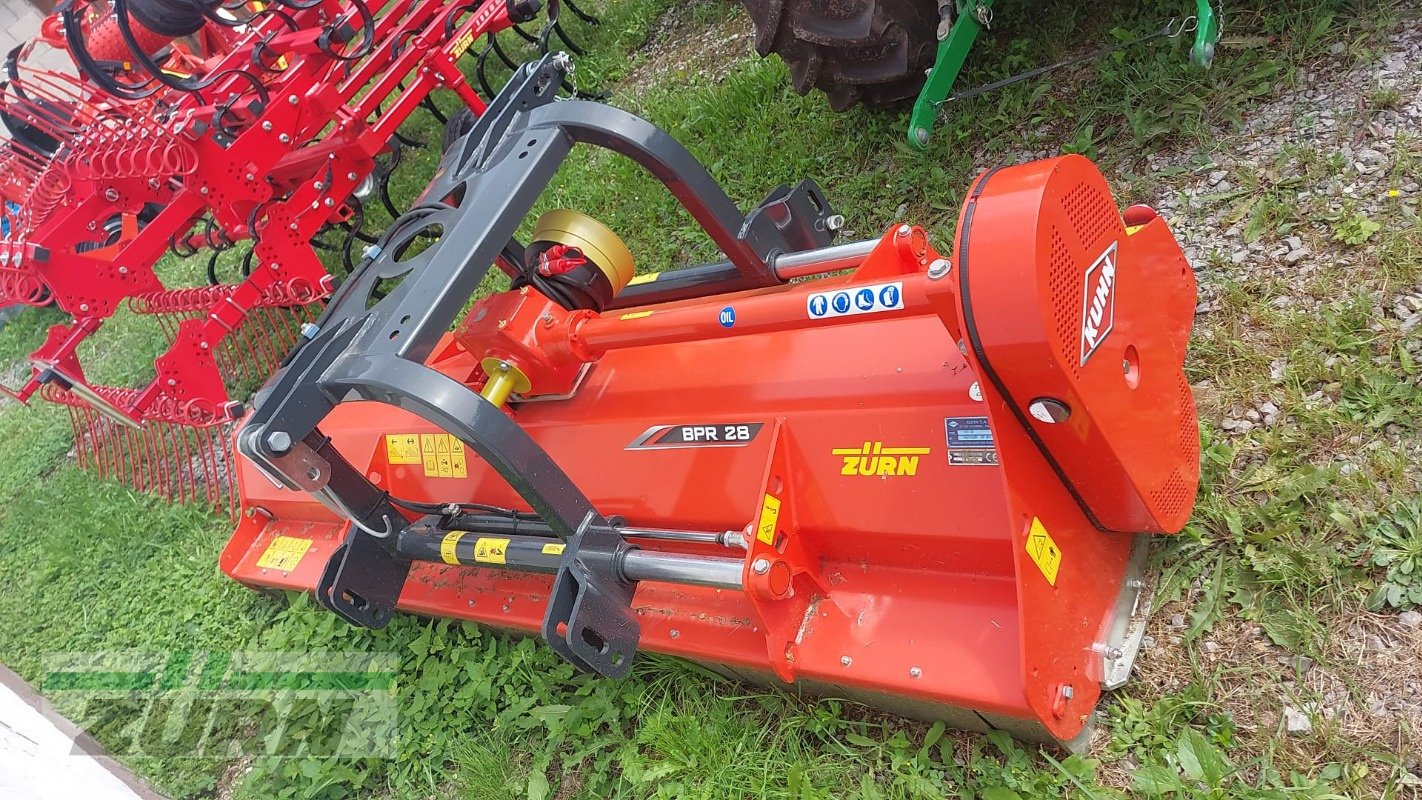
pixel 266 126
pixel 920 135
pixel 760 566
pixel 939 269
pixel 279 441
pixel 915 672
pixel 845 661
pixel 904 230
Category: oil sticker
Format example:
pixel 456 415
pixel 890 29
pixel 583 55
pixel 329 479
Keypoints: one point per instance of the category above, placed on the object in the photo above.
pixel 1043 551
pixel 440 454
pixel 446 547
pixel 491 551
pixel 769 518
pixel 402 448
pixel 554 549
pixel 284 553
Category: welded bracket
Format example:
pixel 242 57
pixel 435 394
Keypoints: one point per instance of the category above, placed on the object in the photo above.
pixel 589 619
pixel 967 20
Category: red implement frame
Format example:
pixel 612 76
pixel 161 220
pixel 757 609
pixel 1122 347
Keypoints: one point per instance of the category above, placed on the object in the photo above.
pixel 919 515
pixel 271 151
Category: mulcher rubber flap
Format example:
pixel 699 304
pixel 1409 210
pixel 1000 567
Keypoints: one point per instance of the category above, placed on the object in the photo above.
pixel 1082 325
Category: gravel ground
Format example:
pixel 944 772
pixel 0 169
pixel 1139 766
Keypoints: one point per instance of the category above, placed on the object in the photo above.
pixel 1367 122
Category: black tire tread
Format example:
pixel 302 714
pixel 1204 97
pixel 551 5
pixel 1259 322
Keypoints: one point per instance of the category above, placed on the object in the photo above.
pixel 873 52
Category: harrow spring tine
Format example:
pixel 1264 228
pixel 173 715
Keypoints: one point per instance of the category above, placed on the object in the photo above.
pixel 185 468
pixel 429 105
pixel 523 34
pixel 508 61
pixel 178 450
pixel 160 464
pixel 149 456
pixel 210 473
pixel 81 456
pixel 212 269
pixel 107 448
pixel 581 14
pixel 133 447
pixel 482 64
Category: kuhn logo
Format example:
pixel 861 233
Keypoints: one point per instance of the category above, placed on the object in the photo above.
pixel 1098 303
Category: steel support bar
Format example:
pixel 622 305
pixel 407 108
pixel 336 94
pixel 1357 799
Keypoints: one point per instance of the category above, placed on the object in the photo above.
pixel 765 313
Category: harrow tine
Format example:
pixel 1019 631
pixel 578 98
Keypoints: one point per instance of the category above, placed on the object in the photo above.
pixel 525 35
pixel 481 65
pixel 553 26
pixel 581 14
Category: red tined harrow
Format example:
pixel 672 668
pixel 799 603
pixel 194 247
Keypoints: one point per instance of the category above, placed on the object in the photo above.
pixel 201 125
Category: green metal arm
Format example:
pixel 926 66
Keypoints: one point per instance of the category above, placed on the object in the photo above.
pixel 1207 33
pixel 952 53
pixel 968 22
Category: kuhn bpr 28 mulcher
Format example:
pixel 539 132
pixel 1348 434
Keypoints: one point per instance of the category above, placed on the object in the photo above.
pixel 918 481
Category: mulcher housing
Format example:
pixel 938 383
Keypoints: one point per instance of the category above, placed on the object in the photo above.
pixel 915 481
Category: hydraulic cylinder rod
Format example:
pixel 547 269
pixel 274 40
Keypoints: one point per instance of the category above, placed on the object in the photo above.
pixel 543 555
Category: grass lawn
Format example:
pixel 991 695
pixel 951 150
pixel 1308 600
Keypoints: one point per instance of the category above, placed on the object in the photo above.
pixel 1307 537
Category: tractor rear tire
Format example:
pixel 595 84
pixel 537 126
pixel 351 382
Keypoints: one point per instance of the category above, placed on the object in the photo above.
pixel 873 52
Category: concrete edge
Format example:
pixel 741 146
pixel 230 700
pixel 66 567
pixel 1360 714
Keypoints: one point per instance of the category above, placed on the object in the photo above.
pixel 85 743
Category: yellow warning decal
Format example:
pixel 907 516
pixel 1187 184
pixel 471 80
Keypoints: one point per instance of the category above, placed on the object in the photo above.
pixel 1043 551
pixel 769 517
pixel 402 448
pixel 637 314
pixel 491 551
pixel 1131 229
pixel 284 553
pixel 446 547
pixel 440 454
pixel 647 277
pixel 554 549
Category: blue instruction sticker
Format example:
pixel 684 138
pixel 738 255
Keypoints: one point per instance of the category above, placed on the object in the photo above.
pixel 863 300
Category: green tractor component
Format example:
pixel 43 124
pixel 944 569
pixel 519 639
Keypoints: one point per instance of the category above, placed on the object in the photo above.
pixel 882 52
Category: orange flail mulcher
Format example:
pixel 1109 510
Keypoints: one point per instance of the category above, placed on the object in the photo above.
pixel 915 479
